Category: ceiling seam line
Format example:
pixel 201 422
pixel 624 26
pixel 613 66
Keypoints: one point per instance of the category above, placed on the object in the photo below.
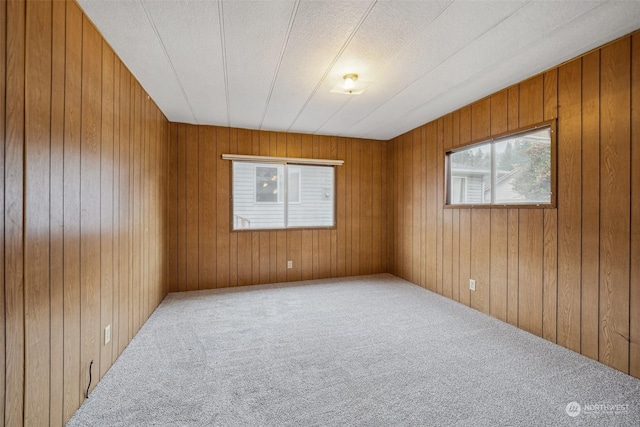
pixel 387 63
pixel 166 54
pixel 466 45
pixel 223 46
pixel 335 59
pixel 292 18
pixel 519 51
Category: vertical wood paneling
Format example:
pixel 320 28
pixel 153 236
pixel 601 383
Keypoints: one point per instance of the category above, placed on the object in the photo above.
pixel 513 275
pixel 124 251
pixel 415 212
pixel 465 256
pixel 65 270
pixel 530 270
pixel 423 208
pixel 192 159
pixel 447 221
pixel 513 101
pixel 569 209
pixel 569 274
pixel 590 209
pixel 181 226
pixel 207 218
pixel 634 292
pixel 222 209
pixel 550 277
pixel 550 81
pixel 439 201
pixel 14 213
pixel 90 204
pixel 72 118
pixel 531 98
pixel 465 125
pixel 3 335
pixel 56 197
pixel 37 207
pixel 481 119
pixel 432 203
pixel 499 268
pixel 481 258
pixel 499 112
pixel 251 257
pixel 106 207
pixel 615 200
pixel 172 238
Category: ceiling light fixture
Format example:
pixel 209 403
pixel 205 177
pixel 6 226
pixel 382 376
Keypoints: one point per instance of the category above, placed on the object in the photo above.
pixel 350 81
pixel 350 85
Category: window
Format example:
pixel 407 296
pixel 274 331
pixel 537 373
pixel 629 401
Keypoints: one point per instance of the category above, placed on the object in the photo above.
pixel 513 170
pixel 260 190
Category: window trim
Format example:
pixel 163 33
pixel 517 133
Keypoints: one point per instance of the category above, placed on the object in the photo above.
pixel 286 162
pixel 551 124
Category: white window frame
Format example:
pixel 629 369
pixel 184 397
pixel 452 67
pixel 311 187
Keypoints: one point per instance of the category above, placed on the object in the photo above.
pixel 283 195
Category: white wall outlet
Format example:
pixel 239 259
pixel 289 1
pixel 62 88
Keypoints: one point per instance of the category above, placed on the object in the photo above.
pixel 472 284
pixel 289 264
pixel 107 334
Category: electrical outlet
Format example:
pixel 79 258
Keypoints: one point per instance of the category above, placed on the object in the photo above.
pixel 472 284
pixel 289 264
pixel 107 334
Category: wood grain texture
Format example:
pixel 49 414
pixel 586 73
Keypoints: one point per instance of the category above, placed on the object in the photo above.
pixel 481 258
pixel 37 207
pixel 65 180
pixel 192 159
pixel 634 292
pixel 550 276
pixel 530 270
pixel 56 197
pixel 262 256
pixel 513 105
pixel 71 203
pixel 590 209
pixel 90 204
pixel 481 119
pixel 531 107
pixel 615 202
pixel 207 218
pixel 569 209
pixel 3 335
pixel 550 97
pixel 513 274
pixel 14 213
pixel 499 104
pixel 106 206
pixel 499 266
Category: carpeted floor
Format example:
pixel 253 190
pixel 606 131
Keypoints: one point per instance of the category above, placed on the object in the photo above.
pixel 368 351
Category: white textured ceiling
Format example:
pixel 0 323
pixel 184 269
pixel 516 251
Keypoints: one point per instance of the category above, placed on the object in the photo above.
pixel 271 65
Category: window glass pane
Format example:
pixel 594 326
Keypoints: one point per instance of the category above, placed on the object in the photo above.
pixel 294 185
pixel 523 169
pixel 267 184
pixel 471 173
pixel 257 202
pixel 314 205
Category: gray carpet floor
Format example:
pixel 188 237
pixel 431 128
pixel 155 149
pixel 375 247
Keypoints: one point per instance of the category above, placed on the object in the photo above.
pixel 365 351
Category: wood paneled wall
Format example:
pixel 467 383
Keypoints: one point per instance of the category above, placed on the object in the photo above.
pixel 571 274
pixel 206 254
pixel 84 159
